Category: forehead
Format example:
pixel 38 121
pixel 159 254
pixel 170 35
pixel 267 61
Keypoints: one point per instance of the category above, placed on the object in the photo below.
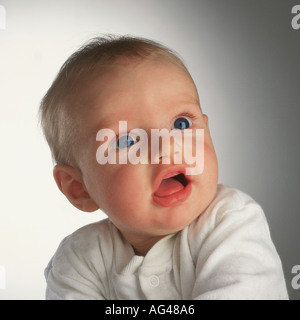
pixel 131 85
pixel 149 76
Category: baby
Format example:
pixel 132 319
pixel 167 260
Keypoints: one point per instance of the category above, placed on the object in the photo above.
pixel 170 233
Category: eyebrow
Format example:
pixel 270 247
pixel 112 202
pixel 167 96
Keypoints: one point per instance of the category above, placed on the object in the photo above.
pixel 111 121
pixel 189 103
pixel 107 122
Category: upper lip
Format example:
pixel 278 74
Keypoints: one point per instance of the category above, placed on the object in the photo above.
pixel 168 173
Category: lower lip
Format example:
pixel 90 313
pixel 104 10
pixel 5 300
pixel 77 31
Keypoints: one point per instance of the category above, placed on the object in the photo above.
pixel 174 198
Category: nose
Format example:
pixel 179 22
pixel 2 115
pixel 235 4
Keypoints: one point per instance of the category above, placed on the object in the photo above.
pixel 169 154
pixel 166 147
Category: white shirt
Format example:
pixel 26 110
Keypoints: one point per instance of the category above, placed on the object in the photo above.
pixel 226 253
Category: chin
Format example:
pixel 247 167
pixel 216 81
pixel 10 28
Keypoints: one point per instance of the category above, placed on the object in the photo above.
pixel 179 217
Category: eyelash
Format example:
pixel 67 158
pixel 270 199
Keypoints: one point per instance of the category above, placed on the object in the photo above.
pixel 185 114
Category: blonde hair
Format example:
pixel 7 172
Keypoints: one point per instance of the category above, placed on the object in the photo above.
pixel 59 125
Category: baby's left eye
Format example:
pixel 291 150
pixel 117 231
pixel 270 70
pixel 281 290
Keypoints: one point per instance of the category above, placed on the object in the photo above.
pixel 181 123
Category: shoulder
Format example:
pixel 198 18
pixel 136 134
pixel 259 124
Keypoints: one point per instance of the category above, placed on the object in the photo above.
pixel 229 200
pixel 83 248
pixel 87 238
pixel 229 210
pixel 233 252
pixel 234 204
pixel 78 268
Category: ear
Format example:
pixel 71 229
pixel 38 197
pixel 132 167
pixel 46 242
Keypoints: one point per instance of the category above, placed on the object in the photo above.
pixel 69 182
pixel 205 117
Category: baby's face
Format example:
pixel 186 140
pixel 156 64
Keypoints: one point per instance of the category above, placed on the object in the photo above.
pixel 143 200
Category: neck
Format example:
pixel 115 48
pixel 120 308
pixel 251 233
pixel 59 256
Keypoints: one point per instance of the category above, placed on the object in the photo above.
pixel 141 245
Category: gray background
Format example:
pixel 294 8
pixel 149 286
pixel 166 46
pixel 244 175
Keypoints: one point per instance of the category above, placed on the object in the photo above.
pixel 245 59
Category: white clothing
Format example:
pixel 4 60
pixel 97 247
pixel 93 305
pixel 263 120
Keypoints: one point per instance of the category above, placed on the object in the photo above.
pixel 226 253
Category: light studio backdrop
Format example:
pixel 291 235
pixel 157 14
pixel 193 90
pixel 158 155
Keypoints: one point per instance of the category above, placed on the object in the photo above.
pixel 245 59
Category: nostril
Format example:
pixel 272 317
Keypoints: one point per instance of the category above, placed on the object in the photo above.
pixel 164 159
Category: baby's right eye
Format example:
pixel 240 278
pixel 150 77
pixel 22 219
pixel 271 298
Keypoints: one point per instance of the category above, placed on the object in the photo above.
pixel 125 142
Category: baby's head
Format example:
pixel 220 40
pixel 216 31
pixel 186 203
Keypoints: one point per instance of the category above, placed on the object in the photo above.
pixel 146 86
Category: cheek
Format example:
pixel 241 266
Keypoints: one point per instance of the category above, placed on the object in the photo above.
pixel 207 181
pixel 210 172
pixel 127 189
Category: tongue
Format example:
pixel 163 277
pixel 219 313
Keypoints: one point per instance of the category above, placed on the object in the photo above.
pixel 168 187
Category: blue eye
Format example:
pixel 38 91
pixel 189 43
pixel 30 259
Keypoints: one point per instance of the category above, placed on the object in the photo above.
pixel 125 142
pixel 181 123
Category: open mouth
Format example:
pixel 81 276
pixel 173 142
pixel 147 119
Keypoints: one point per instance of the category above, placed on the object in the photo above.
pixel 181 179
pixel 173 188
pixel 171 185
